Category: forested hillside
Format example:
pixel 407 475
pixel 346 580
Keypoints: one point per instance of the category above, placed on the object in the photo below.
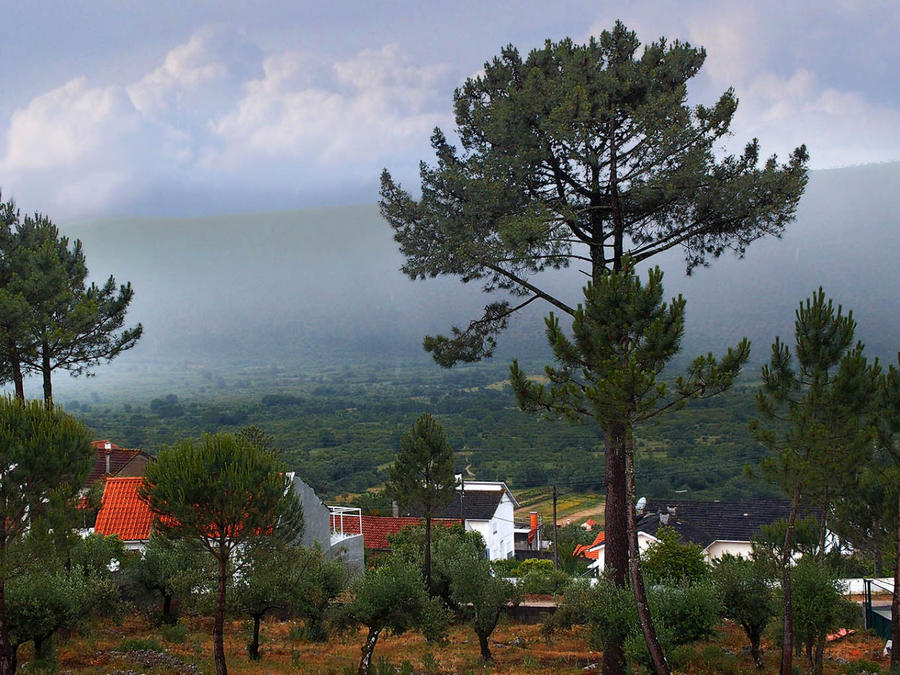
pixel 302 324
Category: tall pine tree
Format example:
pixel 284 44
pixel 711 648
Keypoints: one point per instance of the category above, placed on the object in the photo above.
pixel 579 155
pixel 815 405
pixel 609 372
pixel 50 318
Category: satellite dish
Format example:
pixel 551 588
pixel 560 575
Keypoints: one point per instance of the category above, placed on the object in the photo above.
pixel 641 505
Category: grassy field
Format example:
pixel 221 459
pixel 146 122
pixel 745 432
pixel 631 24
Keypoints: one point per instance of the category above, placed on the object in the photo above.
pixel 133 645
pixel 571 507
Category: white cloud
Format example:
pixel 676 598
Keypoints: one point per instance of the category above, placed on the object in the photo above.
pixel 198 74
pixel 65 125
pixel 358 109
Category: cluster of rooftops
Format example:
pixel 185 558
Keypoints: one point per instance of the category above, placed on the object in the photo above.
pixel 484 506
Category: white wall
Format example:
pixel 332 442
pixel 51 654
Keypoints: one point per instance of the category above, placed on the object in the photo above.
pixel 719 548
pixel 498 533
pixel 644 540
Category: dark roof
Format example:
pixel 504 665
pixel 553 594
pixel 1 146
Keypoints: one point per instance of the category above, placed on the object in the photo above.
pixel 119 458
pixel 479 505
pixel 705 522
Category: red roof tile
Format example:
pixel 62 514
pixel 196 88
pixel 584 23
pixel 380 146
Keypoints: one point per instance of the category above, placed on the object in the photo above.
pixel 123 513
pixel 376 529
pixel 583 550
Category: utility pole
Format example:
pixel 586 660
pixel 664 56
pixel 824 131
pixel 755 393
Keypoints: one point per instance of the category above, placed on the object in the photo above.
pixel 555 533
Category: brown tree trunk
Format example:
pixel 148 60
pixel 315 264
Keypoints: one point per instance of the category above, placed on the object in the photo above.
pixel 16 364
pixel 365 663
pixel 615 549
pixel 787 648
pixel 7 653
pixel 660 665
pixel 253 647
pixel 428 549
pixel 485 647
pixel 754 648
pixel 46 373
pixel 219 626
pixel 168 615
pixel 895 603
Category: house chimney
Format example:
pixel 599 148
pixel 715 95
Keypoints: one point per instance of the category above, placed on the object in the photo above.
pixel 395 508
pixel 663 518
pixel 108 468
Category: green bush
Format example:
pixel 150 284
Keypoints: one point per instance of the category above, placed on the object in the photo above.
pixel 175 632
pixel 540 580
pixel 691 611
pixel 508 567
pixel 139 644
pixel 670 561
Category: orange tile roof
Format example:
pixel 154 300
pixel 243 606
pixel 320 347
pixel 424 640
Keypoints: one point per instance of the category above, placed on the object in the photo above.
pixel 583 550
pixel 123 513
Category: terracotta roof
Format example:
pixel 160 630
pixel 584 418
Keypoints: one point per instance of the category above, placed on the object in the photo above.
pixel 118 460
pixel 584 550
pixel 123 513
pixel 376 529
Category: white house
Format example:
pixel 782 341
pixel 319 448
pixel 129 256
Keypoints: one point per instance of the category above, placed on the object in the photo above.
pixel 486 507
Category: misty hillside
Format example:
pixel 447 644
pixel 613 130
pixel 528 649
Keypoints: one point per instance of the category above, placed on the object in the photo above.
pixel 324 286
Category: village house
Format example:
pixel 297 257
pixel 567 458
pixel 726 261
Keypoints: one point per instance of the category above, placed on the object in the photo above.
pixel 719 528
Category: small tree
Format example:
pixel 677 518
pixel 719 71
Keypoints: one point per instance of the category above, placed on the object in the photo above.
pixel 481 596
pixel 422 475
pixel 668 560
pixel 222 493
pixel 446 541
pixel 164 565
pixel 624 335
pixel 391 597
pixel 819 607
pixel 280 577
pixel 748 597
pixel 49 598
pixel 42 451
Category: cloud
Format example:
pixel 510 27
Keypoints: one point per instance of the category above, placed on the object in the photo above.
pixel 197 75
pixel 67 124
pixel 373 104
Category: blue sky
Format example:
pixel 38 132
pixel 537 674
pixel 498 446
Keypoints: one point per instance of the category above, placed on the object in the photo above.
pixel 175 108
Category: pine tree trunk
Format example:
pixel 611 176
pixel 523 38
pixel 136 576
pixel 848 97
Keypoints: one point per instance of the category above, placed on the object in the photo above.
pixel 365 663
pixel 787 649
pixel 168 617
pixel 7 653
pixel 895 602
pixel 615 549
pixel 823 526
pixel 16 363
pixel 253 647
pixel 219 626
pixel 660 665
pixel 46 372
pixel 819 665
pixel 428 549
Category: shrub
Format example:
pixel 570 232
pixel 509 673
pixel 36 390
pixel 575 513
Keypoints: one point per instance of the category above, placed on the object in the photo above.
pixel 139 645
pixel 175 633
pixel 542 581
pixel 691 611
pixel 670 561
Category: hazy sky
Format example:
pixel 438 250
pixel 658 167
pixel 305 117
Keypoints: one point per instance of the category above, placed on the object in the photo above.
pixel 179 108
